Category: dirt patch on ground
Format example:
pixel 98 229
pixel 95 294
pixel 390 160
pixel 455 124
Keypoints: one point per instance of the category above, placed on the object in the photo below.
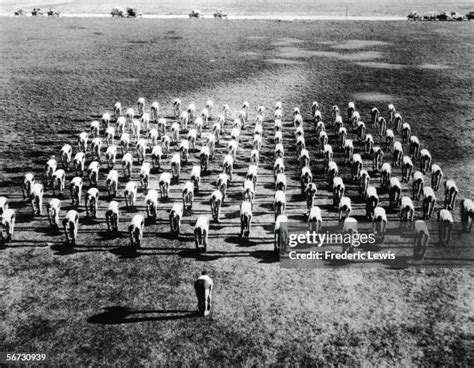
pixel 257 38
pixel 467 103
pixel 172 38
pixel 363 55
pixel 291 40
pixel 327 42
pixel 284 61
pixel 381 65
pixel 328 54
pixel 287 41
pixel 292 52
pixel 250 54
pixel 434 67
pixel 295 52
pixel 373 96
pixel 358 44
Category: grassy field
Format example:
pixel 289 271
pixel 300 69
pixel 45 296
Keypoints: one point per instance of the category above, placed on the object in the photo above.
pixel 102 304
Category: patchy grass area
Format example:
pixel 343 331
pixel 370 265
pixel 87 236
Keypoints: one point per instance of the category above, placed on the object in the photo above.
pixel 102 304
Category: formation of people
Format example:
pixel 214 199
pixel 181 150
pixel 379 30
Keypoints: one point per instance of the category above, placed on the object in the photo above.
pixel 141 136
pixel 387 133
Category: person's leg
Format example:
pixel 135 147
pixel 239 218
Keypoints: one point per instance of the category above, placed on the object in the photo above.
pixel 424 244
pixel 207 299
pixel 200 294
pixel 449 228
pixel 196 238
pixel 442 234
pixel 12 226
pixel 416 246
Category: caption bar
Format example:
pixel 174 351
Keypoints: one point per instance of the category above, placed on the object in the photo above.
pixel 353 244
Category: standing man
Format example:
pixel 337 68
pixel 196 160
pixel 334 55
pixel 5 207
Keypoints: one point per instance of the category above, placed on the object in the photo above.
pixel 203 287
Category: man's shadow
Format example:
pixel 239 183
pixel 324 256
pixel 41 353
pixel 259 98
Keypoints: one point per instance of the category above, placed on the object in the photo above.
pixel 117 315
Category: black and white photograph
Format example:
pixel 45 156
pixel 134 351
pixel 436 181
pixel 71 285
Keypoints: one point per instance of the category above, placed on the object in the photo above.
pixel 230 183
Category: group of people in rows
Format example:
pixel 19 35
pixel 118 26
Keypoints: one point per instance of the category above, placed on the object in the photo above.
pixel 131 126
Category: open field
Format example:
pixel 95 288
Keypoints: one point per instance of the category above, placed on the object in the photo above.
pixel 102 304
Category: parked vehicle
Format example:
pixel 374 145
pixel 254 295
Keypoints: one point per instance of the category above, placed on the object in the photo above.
pixel 195 14
pixel 53 13
pixel 118 12
pixel 457 16
pixel 126 13
pixel 36 12
pixel 220 14
pixel 133 13
pixel 20 13
pixel 414 15
pixel 443 16
pixel 470 15
pixel 430 16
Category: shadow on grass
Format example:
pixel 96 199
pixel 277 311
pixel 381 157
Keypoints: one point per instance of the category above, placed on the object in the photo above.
pixel 265 256
pixel 15 205
pixel 110 235
pixel 301 217
pixel 68 206
pixel 170 236
pixel 391 210
pixel 400 263
pixel 247 242
pixel 131 209
pixel 297 197
pixel 164 235
pixel 89 221
pixel 127 252
pixel 24 218
pixel 48 230
pixel 118 315
pixel 371 247
pixel 62 249
pixel 267 206
pixel 269 228
pixel 232 215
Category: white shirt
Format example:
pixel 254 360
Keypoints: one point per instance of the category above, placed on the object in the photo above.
pixel 207 278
